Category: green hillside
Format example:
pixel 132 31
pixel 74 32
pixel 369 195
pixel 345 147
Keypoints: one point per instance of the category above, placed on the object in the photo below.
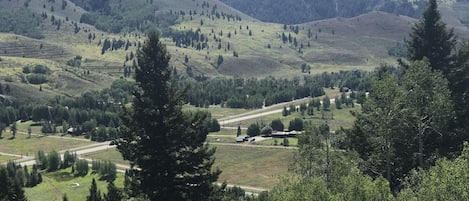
pixel 298 11
pixel 205 38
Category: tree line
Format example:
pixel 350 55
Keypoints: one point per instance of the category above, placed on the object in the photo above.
pixel 255 93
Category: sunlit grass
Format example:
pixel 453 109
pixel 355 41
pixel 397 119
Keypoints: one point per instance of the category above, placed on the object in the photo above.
pixel 56 184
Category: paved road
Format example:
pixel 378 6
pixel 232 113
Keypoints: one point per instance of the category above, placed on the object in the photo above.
pixel 263 110
pixel 258 113
pixel 29 160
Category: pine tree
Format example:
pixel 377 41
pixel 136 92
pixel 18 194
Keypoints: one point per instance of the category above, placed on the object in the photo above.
pixel 95 194
pixel 430 39
pixel 164 143
pixel 113 193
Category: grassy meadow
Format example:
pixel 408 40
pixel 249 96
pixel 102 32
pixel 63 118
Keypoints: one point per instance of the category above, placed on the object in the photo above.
pixel 248 166
pixel 55 184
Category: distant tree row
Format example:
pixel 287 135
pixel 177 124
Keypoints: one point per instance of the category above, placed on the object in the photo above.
pixel 254 93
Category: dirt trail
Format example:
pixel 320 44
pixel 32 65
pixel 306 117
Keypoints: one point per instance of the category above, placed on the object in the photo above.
pixel 54 189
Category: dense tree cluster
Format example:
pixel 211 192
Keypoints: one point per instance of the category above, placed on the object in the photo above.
pixel 297 12
pixel 21 22
pixel 409 119
pixel 254 93
pixel 118 18
pixel 84 114
pixel 194 39
pixel 12 179
pixel 106 169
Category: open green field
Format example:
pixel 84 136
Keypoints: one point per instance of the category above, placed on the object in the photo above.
pixel 248 166
pixel 56 184
pixel 252 166
pixel 22 145
pixel 217 112
pixel 292 141
pixel 4 158
pixel 109 154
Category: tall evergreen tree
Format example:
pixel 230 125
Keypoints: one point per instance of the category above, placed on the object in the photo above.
pixel 10 188
pixel 458 82
pixel 164 143
pixel 432 40
pixel 113 193
pixel 95 194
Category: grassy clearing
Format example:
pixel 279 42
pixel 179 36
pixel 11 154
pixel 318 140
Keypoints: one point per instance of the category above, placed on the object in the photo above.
pixel 22 145
pixel 56 184
pixel 4 158
pixel 249 166
pixel 109 154
pixel 217 112
pixel 292 141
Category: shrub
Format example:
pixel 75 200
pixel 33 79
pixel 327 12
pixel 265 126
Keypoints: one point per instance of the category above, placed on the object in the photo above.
pixel 37 79
pixel 253 130
pixel 41 69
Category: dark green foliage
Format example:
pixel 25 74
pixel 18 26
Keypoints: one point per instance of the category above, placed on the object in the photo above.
pixel 157 137
pixel 458 82
pixel 400 117
pixel 296 125
pixel 95 194
pixel 254 93
pixel 446 180
pixel 41 160
pixel 326 103
pixel 113 193
pixel 253 130
pixel 81 167
pixel 106 169
pixel 37 79
pixel 75 62
pixel 41 69
pixel 10 185
pixel 219 60
pixel 69 159
pixel 34 177
pixel 430 39
pixel 214 126
pixel 53 159
pixel 285 111
pixel 296 11
pixel 21 22
pixel 115 20
pixel 266 131
pixel 398 50
pixel 277 125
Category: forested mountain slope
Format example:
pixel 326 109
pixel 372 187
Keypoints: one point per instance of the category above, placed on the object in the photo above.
pixel 299 11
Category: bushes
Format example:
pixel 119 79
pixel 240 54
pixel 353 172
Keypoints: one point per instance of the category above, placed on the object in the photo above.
pixel 37 79
pixel 296 125
pixel 39 74
pixel 253 130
